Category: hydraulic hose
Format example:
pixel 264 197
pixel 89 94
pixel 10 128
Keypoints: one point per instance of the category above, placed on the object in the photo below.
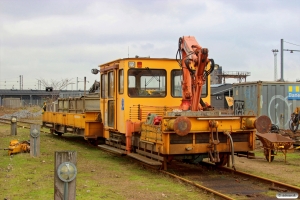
pixel 211 69
pixel 232 148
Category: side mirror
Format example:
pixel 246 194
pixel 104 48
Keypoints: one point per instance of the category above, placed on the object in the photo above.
pixel 95 71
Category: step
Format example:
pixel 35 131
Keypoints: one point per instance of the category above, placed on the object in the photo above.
pixel 114 140
pixel 144 159
pixel 157 157
pixel 112 149
pixel 147 142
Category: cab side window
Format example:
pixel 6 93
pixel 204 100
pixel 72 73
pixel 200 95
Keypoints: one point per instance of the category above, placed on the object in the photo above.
pixel 111 84
pixel 104 86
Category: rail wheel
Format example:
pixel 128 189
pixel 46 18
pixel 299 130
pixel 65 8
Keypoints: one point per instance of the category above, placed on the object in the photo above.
pixel 266 152
pixel 223 159
pixel 57 133
pixel 93 142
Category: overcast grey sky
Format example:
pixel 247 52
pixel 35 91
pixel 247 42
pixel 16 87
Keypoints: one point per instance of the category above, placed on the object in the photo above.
pixel 65 39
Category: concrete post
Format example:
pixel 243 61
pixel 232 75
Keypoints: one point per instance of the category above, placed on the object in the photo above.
pixel 35 140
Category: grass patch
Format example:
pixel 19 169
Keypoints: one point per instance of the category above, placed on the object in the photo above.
pixel 101 175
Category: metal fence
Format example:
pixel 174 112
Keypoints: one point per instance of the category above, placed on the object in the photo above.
pixel 32 102
pixel 11 102
pixel 17 102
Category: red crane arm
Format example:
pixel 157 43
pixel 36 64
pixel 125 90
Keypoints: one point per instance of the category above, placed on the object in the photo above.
pixel 193 63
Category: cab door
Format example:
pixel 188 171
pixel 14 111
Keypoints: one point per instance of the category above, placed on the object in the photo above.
pixel 103 98
pixel 111 105
pixel 108 98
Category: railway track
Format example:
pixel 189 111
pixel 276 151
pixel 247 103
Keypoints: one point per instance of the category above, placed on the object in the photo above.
pixel 227 183
pixel 8 121
pixel 222 182
pixel 22 124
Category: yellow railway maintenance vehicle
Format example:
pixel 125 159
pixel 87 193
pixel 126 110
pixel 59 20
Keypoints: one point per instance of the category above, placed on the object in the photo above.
pixel 157 109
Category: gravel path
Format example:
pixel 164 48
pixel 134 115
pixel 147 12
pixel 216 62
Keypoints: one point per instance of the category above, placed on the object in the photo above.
pixel 23 114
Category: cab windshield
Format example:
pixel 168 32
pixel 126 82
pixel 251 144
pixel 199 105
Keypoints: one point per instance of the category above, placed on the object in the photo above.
pixel 146 82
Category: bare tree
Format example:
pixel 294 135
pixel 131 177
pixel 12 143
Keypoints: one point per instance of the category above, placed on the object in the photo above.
pixel 55 84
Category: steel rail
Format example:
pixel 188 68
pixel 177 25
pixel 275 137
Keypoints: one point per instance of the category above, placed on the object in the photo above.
pixel 262 179
pixel 272 182
pixel 25 122
pixel 266 181
pixel 8 121
pixel 197 185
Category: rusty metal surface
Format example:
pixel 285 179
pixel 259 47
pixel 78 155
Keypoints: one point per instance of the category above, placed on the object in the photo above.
pixel 182 125
pixel 273 137
pixel 274 141
pixel 263 124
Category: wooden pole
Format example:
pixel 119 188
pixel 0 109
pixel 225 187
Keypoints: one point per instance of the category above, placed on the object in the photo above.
pixel 65 175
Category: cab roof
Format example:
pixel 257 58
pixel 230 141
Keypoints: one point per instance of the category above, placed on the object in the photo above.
pixel 133 59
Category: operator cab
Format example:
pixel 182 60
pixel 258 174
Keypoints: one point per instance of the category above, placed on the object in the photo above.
pixel 131 88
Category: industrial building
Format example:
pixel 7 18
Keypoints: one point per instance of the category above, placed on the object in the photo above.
pixel 17 98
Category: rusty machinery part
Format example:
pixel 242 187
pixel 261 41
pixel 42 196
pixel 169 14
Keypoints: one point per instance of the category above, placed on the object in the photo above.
pixel 25 146
pixel 182 126
pixel 294 121
pixel 274 128
pixel 18 147
pixel 263 124
pixel 223 159
pixel 213 124
pixel 249 122
pixel 266 153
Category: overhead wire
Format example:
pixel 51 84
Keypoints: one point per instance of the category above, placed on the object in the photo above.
pixel 292 43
